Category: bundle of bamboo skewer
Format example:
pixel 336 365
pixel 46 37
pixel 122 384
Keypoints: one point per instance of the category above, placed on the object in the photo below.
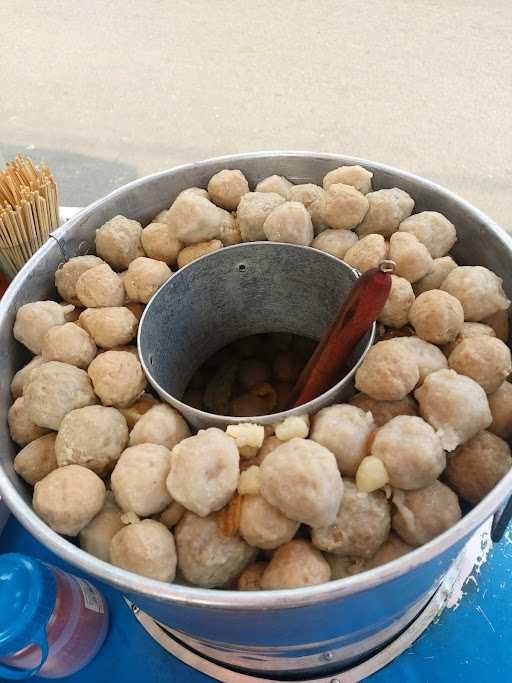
pixel 29 211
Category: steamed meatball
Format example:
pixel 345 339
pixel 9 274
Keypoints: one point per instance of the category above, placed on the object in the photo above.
pixel 384 411
pixel 93 437
pixel 411 257
pixel 144 277
pixel 441 267
pixel 99 287
pixel 67 276
pixel 343 207
pixel 253 210
pixel 262 525
pixel 37 459
pixel 275 183
pixel 479 291
pixel 428 357
pixel 356 176
pixel 500 403
pixel 68 498
pixel 133 413
pixel 172 514
pixel 302 480
pixel 500 323
pixel 361 526
pixel 295 565
pixel 227 188
pixel 367 253
pixel 54 390
pixel 290 222
pixel 341 566
pixel 386 210
pixel 22 377
pixel 204 471
pixel 454 405
pixel 118 378
pixel 194 218
pixel 69 344
pixel 146 548
pixel 411 451
pixel 484 359
pixel 250 578
pixel 22 428
pixel 335 242
pixel 138 479
pixel 345 430
pixel 162 425
pixel 310 195
pixel 109 327
pixel 436 316
pixel 424 514
pixel 433 230
pixel 206 557
pixel 118 242
pixel 229 231
pixel 160 244
pixel 389 371
pixel 34 320
pixel 97 536
pixel 396 309
pixel 468 330
pixel 195 251
pixel 391 550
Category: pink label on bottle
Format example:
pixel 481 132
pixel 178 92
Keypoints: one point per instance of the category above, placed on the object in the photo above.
pixel 92 598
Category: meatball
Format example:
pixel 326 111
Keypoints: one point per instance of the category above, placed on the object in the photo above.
pixel 296 565
pixel 68 498
pixel 391 550
pixel 436 316
pixel 367 253
pixel 162 425
pixel 97 536
pixel 118 378
pixel 172 514
pixel 356 176
pixel 310 195
pixel 22 377
pixel 412 258
pixel 54 390
pixel 99 287
pixel 500 403
pixel 253 210
pixel 144 277
pixel 411 451
pixel 388 372
pixel 205 469
pixel 433 280
pixel 345 430
pixel 479 291
pixel 468 330
pixel 384 411
pixel 500 323
pixel 361 526
pixel 343 207
pixel 67 276
pixel 433 230
pixel 118 242
pixel 34 320
pixel 423 514
pixel 454 405
pixel 227 188
pixel 69 343
pixel 302 480
pixel 396 309
pixel 109 327
pixel 250 578
pixel 270 444
pixel 22 428
pixel 195 251
pixel 341 566
pixel 146 548
pixel 133 414
pixel 485 359
pixel 335 242
pixel 276 184
pixel 193 218
pixel 93 437
pixel 229 231
pixel 476 467
pixel 206 557
pixel 263 526
pixel 160 244
pixel 386 210
pixel 289 222
pixel 428 357
pixel 37 459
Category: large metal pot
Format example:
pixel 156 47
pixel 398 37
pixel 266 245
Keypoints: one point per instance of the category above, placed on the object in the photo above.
pixel 303 630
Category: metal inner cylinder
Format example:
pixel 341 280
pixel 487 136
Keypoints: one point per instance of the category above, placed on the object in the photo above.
pixel 239 291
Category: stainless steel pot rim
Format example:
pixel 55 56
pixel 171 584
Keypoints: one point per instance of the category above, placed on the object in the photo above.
pixel 258 600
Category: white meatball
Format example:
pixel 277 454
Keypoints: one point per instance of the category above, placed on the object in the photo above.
pixel 205 470
pixel 146 548
pixel 341 566
pixel 441 267
pixel 428 357
pixel 310 195
pixel 195 251
pixel 250 578
pixel 454 405
pixel 262 525
pixel 290 222
pixel 162 425
pixel 160 244
pixel 468 330
pixel 34 320
pixel 22 377
pixel 302 480
pixel 118 242
pixel 384 411
pixel 412 258
pixel 22 428
pixel 296 565
pixel 500 403
pixel 133 413
pixel 117 377
pixel 194 218
pixel 343 207
pixel 253 210
pixel 436 316
pixel 386 210
pixel 391 550
pixel 479 291
pixel 485 359
pixel 275 183
pixel 36 459
pixel 69 343
pixel 389 371
pixel 144 277
pixel 433 230
pixel 226 188
pixel 99 287
pixel 335 242
pixel 109 327
pixel 97 536
pixel 357 176
pixel 67 276
pixel 367 253
pixel 396 309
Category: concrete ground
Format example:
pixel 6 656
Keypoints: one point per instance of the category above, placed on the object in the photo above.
pixel 106 91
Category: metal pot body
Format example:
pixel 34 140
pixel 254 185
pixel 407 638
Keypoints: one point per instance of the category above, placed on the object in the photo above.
pixel 305 629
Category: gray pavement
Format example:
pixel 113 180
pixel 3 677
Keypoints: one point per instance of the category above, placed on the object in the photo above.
pixel 108 91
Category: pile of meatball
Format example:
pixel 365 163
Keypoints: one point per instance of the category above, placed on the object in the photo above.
pixel 306 500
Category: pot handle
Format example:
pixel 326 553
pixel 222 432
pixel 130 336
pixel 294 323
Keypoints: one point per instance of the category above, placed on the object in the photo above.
pixel 500 521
